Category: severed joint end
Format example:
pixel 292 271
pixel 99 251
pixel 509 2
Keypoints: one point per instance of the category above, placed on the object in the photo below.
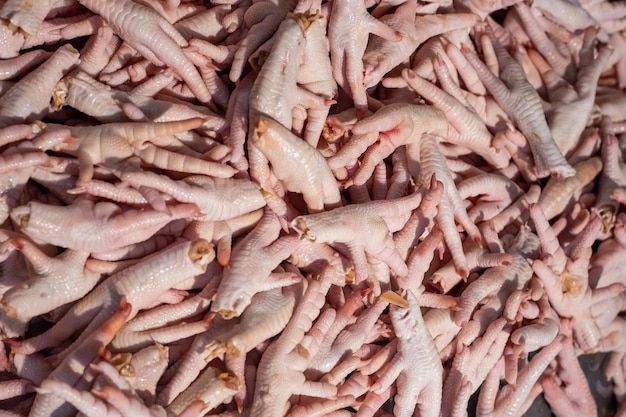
pixel 305 19
pixel 201 253
pixel 299 225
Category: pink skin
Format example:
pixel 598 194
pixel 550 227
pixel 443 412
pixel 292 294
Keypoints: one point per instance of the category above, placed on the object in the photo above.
pixel 98 51
pixel 550 245
pixel 348 44
pixel 187 258
pixel 442 328
pixel 511 398
pixel 306 171
pixel 469 131
pixel 206 25
pixel 471 365
pixel 266 317
pixel 340 339
pixel 280 371
pixel 517 97
pixel 427 157
pixel 567 14
pixel 262 19
pixel 256 255
pixel 267 97
pixel 500 278
pixel 171 313
pixel 543 44
pixel 49 282
pixel 571 296
pixel 416 365
pixel 30 97
pixel 607 265
pixel 557 194
pixel 99 101
pixel 310 255
pixel 191 362
pixel 613 179
pixel 237 115
pixel 572 394
pixel 496 193
pixel 92 97
pixel 152 36
pixel 216 198
pixel 16 132
pixel 483 8
pixel 316 75
pixel 11 42
pixel 221 233
pixel 22 64
pixel 415 30
pixel 15 388
pixel 113 144
pixel 98 227
pixel 23 161
pixel 145 369
pixel 106 402
pixel 322 408
pixel 121 193
pixel 576 98
pixel 69 370
pixel 132 341
pixel 420 219
pixel 210 387
pixel 62 28
pixel 378 135
pixel 446 277
pixel 516 212
pixel 380 216
pixel 539 331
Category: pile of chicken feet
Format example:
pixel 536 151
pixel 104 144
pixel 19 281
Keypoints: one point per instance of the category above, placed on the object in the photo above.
pixel 310 208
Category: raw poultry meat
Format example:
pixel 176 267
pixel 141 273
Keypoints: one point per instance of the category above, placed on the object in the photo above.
pixel 267 208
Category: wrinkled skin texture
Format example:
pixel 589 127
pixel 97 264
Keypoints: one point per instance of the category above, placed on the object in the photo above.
pixel 252 208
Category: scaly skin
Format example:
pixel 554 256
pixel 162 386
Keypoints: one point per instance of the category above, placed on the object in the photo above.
pixel 22 64
pixel 70 369
pixel 316 75
pixel 522 103
pixel 280 372
pixel 416 365
pixel 216 198
pixel 301 167
pixel 29 99
pixel 210 387
pixel 96 227
pixel 469 131
pixel 378 135
pixel 426 161
pixel 266 317
pixel 611 184
pixel 112 144
pixel 152 36
pixel 53 283
pixel 252 262
pixel 338 225
pixel 275 93
pixel 572 395
pixel 348 42
pixel 571 103
pixel 157 274
pixel 415 30
pixel 471 365
pixel 500 279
